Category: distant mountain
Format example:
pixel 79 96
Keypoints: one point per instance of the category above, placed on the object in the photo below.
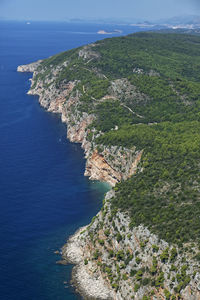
pixel 185 21
pixel 116 21
pixel 195 31
pixel 188 22
pixel 177 22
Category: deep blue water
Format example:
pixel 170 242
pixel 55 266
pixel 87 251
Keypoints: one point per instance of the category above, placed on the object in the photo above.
pixel 44 196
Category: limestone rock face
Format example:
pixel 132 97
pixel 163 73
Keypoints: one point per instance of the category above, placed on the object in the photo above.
pixel 30 67
pixel 77 133
pixel 113 252
pixel 86 52
pixel 98 168
pixel 93 287
pixel 108 253
pixel 112 164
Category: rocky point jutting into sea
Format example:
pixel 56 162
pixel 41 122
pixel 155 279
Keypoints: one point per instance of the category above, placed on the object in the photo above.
pixel 113 260
pixel 98 166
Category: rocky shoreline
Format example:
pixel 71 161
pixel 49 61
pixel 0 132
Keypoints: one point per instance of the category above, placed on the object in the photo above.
pixel 111 165
pixel 107 251
pixel 85 283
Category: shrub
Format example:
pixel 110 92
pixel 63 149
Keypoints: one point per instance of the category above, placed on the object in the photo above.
pixel 173 254
pixel 101 242
pixel 165 255
pixel 136 287
pixel 159 280
pixel 145 281
pixel 167 294
pixel 96 254
pixel 120 255
pixel 107 232
pixel 133 272
pixel 118 237
pixel 139 275
pixel 124 276
pixel 155 248
pixel 138 260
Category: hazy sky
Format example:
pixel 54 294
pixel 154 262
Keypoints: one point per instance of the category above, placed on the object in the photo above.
pixel 69 9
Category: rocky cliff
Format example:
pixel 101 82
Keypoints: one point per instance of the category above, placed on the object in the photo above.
pixel 110 165
pixel 114 261
pixel 97 98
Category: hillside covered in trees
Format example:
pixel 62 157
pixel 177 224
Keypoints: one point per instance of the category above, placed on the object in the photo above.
pixel 139 94
pixel 156 109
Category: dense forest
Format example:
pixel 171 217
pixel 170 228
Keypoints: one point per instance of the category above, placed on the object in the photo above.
pixel 152 86
pixel 134 103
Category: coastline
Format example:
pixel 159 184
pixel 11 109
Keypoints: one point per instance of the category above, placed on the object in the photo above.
pixel 83 281
pixel 109 164
pixel 88 286
pixel 91 272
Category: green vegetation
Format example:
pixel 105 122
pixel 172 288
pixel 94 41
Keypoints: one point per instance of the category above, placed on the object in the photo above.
pixel 107 232
pixel 165 196
pixel 152 86
pixel 183 279
pixel 111 114
pixel 169 76
pixel 165 255
pixel 136 287
pixel 164 68
pixel 173 255
pixel 96 254
pixel 167 294
pixel 155 248
pixel 154 267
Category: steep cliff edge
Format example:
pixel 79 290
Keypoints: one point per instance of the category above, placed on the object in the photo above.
pixel 116 262
pixel 135 112
pixel 65 100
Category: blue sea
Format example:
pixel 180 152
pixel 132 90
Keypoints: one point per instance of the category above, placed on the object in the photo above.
pixel 44 196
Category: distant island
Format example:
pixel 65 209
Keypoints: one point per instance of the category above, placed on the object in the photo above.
pixel 109 32
pixel 133 103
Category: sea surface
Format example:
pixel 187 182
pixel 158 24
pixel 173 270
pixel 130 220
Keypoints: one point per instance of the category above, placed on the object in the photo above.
pixel 44 196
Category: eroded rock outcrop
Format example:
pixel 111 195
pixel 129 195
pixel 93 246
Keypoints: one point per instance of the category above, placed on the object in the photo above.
pixel 113 260
pixel 100 165
pixel 30 67
pixel 110 165
pixel 119 262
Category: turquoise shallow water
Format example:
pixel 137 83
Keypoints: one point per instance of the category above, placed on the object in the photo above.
pixel 44 196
